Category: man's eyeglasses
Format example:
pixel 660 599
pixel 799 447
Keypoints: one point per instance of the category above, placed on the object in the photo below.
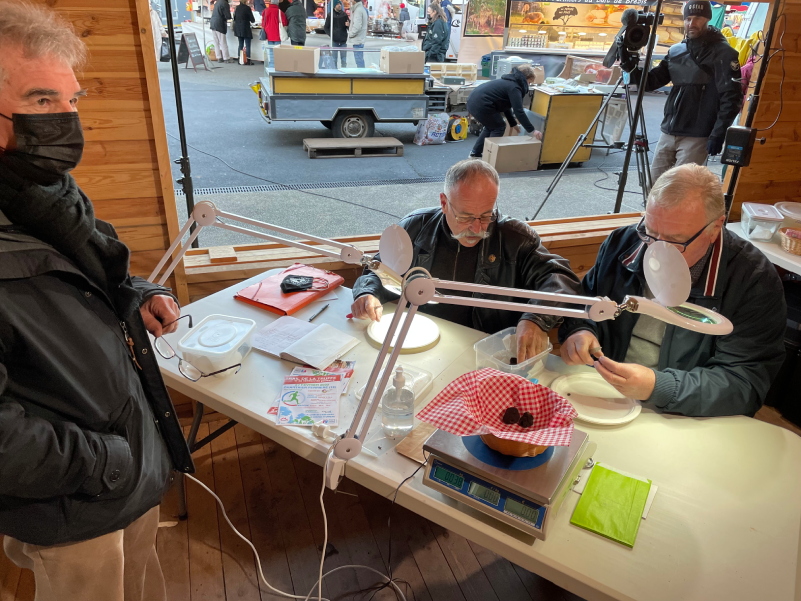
pixel 188 371
pixel 682 246
pixel 485 219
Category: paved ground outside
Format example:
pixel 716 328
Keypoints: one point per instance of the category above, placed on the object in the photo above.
pixel 349 196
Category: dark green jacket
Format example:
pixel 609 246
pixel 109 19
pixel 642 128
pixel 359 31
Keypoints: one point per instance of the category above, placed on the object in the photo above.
pixel 435 44
pixel 87 440
pixel 296 15
pixel 512 257
pixel 699 374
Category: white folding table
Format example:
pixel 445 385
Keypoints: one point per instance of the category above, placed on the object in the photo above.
pixel 725 523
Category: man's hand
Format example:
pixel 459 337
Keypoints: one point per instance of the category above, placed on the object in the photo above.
pixel 536 134
pixel 531 340
pixel 514 131
pixel 157 310
pixel 578 346
pixel 629 379
pixel 367 307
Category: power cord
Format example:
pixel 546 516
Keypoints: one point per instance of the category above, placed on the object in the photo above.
pixel 269 181
pixel 319 583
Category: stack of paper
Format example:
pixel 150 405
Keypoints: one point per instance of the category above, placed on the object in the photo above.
pixel 612 505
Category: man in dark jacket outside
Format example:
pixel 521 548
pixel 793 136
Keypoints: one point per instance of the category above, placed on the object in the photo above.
pixel 465 239
pixel 705 96
pixel 500 98
pixel 219 27
pixel 296 30
pixel 339 36
pixel 88 434
pixel 675 369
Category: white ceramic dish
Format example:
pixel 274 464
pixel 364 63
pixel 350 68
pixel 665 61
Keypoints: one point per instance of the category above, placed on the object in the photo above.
pixel 595 400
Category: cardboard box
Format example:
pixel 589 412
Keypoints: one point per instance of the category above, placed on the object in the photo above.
pixel 402 62
pixel 299 59
pixel 512 154
pixel 540 74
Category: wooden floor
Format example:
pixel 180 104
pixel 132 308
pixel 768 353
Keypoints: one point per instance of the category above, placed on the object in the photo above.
pixel 272 497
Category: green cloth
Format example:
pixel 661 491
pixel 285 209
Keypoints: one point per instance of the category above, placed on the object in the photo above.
pixel 612 505
pixel 718 13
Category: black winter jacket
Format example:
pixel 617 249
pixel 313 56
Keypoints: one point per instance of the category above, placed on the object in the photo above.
pixel 699 374
pixel 296 15
pixel 504 95
pixel 705 97
pixel 220 16
pixel 435 44
pixel 512 257
pixel 87 440
pixel 243 17
pixel 340 29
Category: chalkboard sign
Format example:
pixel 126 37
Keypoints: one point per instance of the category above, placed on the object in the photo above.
pixel 189 50
pixel 564 13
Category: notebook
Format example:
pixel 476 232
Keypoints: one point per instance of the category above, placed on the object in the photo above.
pixel 612 505
pixel 291 339
pixel 267 294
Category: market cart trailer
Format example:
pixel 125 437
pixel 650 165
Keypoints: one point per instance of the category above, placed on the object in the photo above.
pixel 349 103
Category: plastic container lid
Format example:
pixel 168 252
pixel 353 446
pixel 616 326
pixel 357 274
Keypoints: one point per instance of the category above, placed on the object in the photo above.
pixel 790 209
pixel 216 336
pixel 764 212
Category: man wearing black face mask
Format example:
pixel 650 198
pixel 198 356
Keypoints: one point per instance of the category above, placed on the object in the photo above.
pixel 88 434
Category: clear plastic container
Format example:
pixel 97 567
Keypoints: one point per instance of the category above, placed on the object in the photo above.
pixel 499 350
pixel 217 342
pixel 760 222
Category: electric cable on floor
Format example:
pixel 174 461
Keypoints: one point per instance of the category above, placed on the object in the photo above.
pixel 317 584
pixel 269 181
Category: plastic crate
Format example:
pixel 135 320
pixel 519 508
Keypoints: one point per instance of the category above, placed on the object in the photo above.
pixel 467 70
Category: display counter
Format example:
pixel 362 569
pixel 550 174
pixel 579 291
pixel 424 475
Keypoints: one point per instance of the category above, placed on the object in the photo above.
pixel 233 42
pixel 562 118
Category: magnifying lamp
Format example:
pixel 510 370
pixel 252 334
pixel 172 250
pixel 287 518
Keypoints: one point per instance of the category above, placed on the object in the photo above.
pixel 666 272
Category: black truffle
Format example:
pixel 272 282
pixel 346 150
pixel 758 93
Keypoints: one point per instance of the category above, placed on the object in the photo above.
pixel 526 420
pixel 511 416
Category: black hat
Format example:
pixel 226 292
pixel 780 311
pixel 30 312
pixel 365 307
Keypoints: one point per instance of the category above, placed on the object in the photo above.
pixel 698 8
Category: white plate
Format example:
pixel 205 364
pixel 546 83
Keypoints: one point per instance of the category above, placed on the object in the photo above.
pixel 595 400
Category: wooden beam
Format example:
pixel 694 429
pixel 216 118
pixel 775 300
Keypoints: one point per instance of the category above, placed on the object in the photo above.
pixel 159 131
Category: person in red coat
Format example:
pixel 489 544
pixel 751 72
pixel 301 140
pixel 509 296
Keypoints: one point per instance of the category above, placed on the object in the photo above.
pixel 270 30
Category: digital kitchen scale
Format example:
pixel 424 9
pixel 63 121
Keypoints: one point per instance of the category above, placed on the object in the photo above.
pixel 524 492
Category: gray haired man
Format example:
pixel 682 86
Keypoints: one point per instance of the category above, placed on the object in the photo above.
pixel 678 370
pixel 88 434
pixel 466 239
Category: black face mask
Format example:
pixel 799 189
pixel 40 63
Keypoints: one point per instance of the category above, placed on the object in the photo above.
pixel 50 142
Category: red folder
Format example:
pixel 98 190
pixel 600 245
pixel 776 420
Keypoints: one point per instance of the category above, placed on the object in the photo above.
pixel 267 294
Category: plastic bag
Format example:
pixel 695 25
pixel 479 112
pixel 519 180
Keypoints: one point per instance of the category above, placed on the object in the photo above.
pixel 432 131
pixel 328 61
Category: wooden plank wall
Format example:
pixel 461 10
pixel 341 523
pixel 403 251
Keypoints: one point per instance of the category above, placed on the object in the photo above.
pixel 126 165
pixel 775 171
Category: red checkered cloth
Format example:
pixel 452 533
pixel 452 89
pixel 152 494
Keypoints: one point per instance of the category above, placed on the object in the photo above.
pixel 475 403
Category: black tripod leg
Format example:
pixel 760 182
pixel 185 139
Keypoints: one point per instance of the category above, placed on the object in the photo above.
pixel 579 142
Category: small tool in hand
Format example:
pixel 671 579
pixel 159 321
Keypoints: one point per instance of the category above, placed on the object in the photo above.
pixel 593 351
pixel 318 312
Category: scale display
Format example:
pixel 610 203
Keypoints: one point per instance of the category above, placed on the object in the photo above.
pixel 488 494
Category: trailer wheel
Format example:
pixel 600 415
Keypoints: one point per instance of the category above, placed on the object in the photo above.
pixel 328 124
pixel 353 125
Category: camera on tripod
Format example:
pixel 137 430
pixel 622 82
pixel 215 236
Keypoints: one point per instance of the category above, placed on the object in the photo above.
pixel 633 35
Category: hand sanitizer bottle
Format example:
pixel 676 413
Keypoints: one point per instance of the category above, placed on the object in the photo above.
pixel 397 407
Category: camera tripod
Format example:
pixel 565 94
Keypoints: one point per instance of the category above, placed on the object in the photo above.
pixel 638 142
pixel 640 146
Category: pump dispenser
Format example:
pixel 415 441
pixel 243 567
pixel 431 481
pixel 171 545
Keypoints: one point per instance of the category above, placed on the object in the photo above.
pixel 397 406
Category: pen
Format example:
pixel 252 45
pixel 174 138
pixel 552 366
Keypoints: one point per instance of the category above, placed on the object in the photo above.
pixel 318 312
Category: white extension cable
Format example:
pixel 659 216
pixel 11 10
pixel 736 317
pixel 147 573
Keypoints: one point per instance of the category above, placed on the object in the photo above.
pixel 319 583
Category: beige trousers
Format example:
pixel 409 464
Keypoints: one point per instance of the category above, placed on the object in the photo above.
pixel 672 151
pixel 221 46
pixel 119 566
